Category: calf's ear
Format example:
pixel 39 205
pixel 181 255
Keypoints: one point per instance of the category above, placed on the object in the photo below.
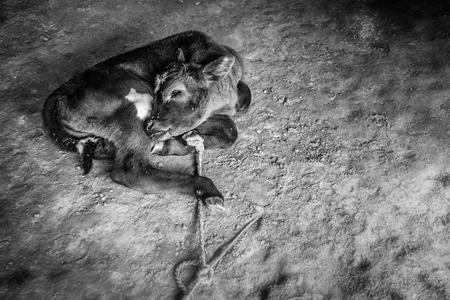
pixel 219 68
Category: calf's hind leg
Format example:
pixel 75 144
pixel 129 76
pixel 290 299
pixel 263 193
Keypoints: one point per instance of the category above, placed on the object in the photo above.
pixel 218 131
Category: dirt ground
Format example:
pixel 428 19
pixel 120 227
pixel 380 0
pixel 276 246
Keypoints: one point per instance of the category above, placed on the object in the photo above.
pixel 344 153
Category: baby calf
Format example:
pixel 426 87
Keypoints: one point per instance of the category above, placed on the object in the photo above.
pixel 154 100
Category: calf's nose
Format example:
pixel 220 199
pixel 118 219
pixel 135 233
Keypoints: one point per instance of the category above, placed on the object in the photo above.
pixel 155 129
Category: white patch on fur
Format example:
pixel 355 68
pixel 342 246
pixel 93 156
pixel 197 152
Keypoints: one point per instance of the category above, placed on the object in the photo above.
pixel 142 103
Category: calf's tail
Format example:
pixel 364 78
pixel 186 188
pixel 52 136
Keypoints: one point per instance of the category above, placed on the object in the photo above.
pixel 52 125
pixel 67 138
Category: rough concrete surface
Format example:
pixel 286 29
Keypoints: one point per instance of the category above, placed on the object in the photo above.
pixel 344 153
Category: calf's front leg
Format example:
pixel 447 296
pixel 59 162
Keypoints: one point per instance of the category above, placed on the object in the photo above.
pixel 133 173
pixel 218 131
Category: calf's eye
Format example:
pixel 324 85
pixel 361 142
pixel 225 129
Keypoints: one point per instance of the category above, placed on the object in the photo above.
pixel 175 93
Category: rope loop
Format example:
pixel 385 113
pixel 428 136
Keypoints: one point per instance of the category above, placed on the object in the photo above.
pixel 177 275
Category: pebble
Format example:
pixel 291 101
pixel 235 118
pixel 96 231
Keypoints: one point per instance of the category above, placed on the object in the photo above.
pixel 329 191
pixel 268 91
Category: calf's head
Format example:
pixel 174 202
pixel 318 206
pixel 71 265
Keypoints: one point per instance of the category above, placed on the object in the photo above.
pixel 186 94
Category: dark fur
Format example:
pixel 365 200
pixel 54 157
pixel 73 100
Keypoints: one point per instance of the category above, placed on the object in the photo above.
pixel 90 113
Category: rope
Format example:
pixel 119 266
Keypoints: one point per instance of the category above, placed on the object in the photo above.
pixel 201 234
pixel 205 272
pixel 199 149
pixel 178 268
pixel 230 245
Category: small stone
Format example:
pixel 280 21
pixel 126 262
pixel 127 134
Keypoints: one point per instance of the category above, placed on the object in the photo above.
pixel 259 210
pixel 329 191
pixel 268 91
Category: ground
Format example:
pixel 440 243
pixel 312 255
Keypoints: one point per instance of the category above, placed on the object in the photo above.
pixel 344 155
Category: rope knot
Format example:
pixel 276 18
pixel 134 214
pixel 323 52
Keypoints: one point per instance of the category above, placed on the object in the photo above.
pixel 206 274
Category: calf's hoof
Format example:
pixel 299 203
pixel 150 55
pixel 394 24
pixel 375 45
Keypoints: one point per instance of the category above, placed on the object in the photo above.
pixel 194 139
pixel 158 148
pixel 214 203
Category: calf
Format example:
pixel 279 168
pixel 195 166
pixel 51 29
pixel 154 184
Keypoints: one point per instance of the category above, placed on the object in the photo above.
pixel 106 111
pixel 188 93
